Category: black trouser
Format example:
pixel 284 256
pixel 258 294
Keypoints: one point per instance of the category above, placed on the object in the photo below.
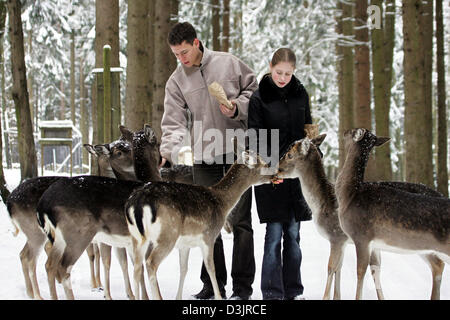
pixel 243 263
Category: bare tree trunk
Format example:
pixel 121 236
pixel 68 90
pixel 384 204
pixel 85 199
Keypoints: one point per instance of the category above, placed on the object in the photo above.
pixel 162 56
pixel 346 113
pixel 72 76
pixel 151 57
pixel 226 26
pixel 215 21
pixel 4 192
pixel 174 6
pixel 426 27
pixel 138 91
pixel 442 170
pixel 3 88
pixel 27 153
pixel 84 120
pixel 362 111
pixel 106 32
pixel 237 29
pixel 381 84
pixel 417 154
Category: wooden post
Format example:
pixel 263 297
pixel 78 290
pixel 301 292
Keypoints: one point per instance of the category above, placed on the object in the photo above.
pixel 115 109
pixel 107 94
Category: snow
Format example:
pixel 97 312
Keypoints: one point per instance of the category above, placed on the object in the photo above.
pixel 404 277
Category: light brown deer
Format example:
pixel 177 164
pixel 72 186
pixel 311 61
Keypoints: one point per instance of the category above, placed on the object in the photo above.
pixel 164 215
pixel 382 217
pixel 303 160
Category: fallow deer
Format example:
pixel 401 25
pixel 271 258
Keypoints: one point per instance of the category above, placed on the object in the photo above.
pixel 164 215
pixel 379 216
pixel 77 210
pixel 21 205
pixel 303 160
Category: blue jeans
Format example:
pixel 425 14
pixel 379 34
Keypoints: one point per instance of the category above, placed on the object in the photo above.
pixel 281 279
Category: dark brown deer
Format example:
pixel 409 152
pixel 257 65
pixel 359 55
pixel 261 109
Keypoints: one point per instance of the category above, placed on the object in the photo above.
pixel 76 210
pixel 303 160
pixel 382 217
pixel 164 215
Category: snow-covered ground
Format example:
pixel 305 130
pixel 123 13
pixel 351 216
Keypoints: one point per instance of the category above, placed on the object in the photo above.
pixel 404 277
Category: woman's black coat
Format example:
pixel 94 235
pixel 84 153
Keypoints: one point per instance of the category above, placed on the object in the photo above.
pixel 286 109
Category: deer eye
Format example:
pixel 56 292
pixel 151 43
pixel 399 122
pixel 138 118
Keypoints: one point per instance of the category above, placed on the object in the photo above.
pixel 290 155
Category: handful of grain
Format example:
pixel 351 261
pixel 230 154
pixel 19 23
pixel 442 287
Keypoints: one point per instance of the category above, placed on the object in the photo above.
pixel 217 91
pixel 311 130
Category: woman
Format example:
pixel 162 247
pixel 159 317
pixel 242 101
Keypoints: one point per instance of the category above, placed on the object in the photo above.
pixel 281 102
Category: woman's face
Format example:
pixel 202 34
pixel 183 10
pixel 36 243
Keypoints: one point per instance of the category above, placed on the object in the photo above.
pixel 281 73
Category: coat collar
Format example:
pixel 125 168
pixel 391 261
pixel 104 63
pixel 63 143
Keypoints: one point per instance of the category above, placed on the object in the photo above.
pixel 270 92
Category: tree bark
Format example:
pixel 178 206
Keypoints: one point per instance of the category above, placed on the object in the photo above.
pixel 4 192
pixel 346 120
pixel 381 85
pixel 362 95
pixel 226 26
pixel 106 32
pixel 72 77
pixel 84 120
pixel 442 148
pixel 417 145
pixel 138 91
pixel 162 56
pixel 27 153
pixel 215 21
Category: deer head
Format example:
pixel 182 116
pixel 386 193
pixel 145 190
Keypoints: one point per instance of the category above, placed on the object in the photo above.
pixel 299 155
pixel 362 141
pixel 146 154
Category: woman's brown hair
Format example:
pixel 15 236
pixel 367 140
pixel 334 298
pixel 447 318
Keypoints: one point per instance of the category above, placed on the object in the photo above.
pixel 283 55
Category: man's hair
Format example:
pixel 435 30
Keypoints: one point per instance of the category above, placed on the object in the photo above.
pixel 182 31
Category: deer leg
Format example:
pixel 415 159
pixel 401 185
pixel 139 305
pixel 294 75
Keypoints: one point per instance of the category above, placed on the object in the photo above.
pixel 362 261
pixel 105 253
pixel 33 256
pixel 97 257
pixel 24 259
pixel 437 267
pixel 122 257
pixel 91 256
pixel 334 264
pixel 54 256
pixel 138 275
pixel 208 254
pixel 154 260
pixel 375 268
pixel 337 283
pixel 184 258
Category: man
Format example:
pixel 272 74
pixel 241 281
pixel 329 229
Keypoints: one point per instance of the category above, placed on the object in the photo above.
pixel 187 93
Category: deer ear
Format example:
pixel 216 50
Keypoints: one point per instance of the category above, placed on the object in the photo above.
pixel 90 148
pixel 304 146
pixel 102 149
pixel 249 158
pixel 381 140
pixel 126 133
pixel 149 134
pixel 319 139
pixel 358 134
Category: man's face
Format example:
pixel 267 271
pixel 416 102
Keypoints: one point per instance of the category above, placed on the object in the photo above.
pixel 188 54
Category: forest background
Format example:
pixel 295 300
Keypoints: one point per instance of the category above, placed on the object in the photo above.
pixel 382 65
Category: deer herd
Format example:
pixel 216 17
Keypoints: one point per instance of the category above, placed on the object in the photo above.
pixel 144 212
